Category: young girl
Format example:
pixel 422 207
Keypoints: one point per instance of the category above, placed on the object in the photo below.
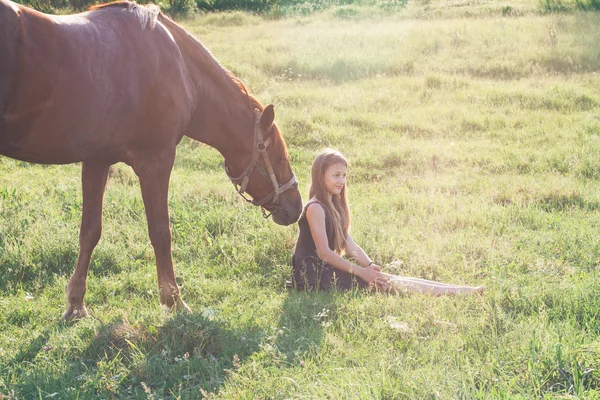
pixel 324 238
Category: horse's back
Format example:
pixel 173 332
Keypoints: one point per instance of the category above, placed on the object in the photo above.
pixel 91 83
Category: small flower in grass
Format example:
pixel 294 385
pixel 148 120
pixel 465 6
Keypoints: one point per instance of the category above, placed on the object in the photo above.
pixel 236 361
pixel 186 355
pixel 47 348
pixel 213 359
pixel 398 325
pixel 147 390
pixel 302 363
pixel 243 338
pixel 28 296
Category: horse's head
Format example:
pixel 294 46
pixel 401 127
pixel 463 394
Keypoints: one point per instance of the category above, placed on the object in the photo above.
pixel 267 175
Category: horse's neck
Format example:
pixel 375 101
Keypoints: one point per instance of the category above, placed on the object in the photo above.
pixel 222 109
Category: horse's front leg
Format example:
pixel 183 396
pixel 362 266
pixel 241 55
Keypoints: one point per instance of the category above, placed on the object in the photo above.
pixel 154 173
pixel 93 178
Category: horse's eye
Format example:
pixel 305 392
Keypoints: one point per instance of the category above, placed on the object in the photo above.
pixel 279 159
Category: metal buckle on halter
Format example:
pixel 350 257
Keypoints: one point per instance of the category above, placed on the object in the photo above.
pixel 281 188
pixel 241 182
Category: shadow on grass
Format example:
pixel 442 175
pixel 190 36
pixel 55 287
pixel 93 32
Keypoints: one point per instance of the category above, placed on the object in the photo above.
pixel 36 274
pixel 38 345
pixel 304 315
pixel 181 358
pixel 49 264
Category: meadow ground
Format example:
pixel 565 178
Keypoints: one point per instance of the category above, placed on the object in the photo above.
pixel 473 133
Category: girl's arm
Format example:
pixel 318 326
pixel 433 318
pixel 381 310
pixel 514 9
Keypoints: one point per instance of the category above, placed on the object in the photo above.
pixel 316 221
pixel 356 252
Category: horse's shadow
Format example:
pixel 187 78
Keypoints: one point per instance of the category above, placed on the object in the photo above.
pixel 186 355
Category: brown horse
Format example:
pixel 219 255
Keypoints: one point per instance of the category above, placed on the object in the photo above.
pixel 124 83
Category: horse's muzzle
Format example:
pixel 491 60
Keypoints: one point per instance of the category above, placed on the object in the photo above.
pixel 289 208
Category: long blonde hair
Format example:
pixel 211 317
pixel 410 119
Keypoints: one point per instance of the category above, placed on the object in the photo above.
pixel 337 205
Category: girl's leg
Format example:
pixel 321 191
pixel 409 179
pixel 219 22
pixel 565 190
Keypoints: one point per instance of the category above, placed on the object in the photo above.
pixel 419 280
pixel 401 284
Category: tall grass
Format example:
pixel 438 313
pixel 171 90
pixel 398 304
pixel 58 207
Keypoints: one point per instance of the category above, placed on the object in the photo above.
pixel 474 158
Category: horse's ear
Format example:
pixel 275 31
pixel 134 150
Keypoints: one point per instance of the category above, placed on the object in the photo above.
pixel 267 118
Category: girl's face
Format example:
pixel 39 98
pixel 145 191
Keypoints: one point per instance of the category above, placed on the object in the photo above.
pixel 335 178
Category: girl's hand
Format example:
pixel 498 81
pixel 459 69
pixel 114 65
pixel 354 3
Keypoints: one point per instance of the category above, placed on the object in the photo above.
pixel 373 276
pixel 376 267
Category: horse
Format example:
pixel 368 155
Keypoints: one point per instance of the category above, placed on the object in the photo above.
pixel 124 83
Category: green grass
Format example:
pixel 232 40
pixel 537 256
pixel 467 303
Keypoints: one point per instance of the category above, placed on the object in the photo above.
pixel 474 144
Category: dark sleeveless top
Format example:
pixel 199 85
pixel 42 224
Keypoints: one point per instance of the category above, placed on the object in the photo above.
pixel 309 271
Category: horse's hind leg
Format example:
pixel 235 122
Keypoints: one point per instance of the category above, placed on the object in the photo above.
pixel 93 178
pixel 154 173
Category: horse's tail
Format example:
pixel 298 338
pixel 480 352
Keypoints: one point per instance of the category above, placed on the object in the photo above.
pixel 10 29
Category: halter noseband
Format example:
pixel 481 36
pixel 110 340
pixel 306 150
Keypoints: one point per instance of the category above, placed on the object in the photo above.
pixel 241 182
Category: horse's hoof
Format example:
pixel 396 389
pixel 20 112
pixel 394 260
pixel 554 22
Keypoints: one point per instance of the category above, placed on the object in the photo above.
pixel 75 313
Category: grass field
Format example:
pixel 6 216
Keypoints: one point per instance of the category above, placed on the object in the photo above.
pixel 473 134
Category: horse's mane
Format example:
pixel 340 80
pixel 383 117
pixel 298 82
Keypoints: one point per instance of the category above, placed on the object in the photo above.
pixel 155 14
pixel 149 14
pixel 146 15
pixel 234 79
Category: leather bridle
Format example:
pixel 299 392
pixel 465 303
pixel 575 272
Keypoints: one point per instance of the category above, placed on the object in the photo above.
pixel 241 182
